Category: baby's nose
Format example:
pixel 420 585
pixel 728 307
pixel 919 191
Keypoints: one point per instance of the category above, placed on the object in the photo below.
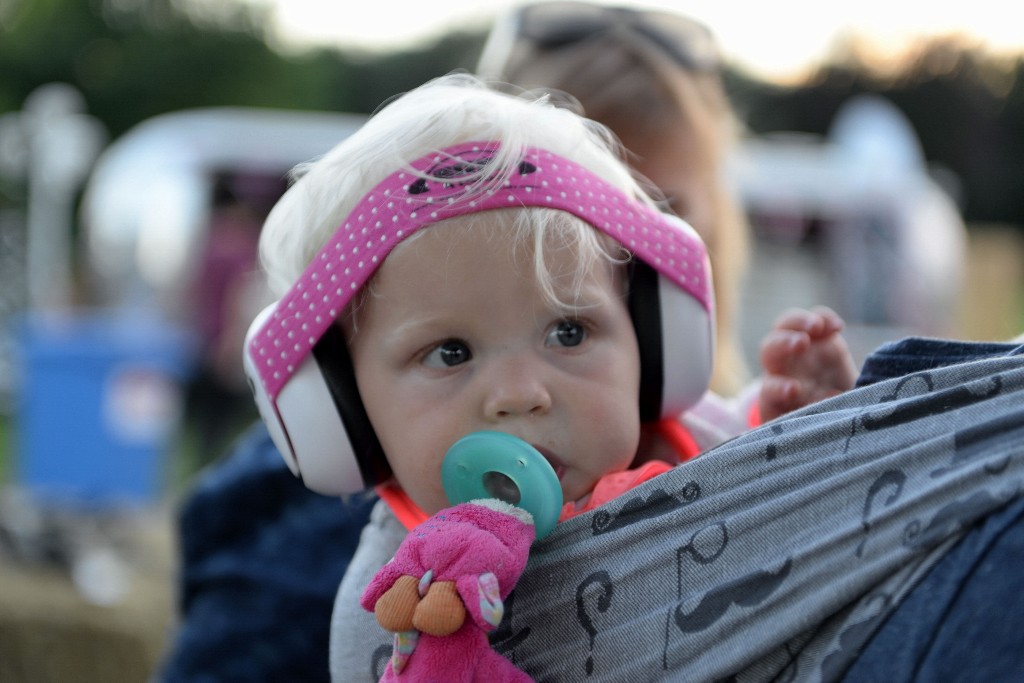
pixel 516 387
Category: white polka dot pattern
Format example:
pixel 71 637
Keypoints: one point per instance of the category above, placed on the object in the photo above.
pixel 405 202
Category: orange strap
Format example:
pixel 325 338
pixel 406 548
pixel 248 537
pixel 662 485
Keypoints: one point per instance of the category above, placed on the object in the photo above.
pixel 407 512
pixel 679 438
pixel 613 485
pixel 754 416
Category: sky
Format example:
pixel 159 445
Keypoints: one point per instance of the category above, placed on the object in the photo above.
pixel 771 39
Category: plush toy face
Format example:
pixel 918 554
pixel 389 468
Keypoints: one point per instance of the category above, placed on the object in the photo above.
pixel 457 337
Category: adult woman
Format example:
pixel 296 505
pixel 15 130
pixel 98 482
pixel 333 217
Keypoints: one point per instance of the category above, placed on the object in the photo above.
pixel 654 78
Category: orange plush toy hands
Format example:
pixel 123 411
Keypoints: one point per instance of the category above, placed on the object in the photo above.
pixel 445 589
pixel 411 605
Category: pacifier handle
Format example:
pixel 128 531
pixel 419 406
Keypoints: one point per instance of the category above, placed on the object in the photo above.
pixel 497 465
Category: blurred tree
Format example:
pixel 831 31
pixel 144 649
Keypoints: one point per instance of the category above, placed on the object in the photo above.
pixel 378 78
pixel 133 59
pixel 955 97
pixel 966 106
pixel 1012 120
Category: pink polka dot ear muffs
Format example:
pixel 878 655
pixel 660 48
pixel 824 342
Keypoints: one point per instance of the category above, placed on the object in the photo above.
pixel 296 359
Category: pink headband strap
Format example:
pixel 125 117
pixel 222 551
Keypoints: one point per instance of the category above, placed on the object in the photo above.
pixel 407 201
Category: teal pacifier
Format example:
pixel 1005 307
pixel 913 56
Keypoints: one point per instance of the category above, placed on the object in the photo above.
pixel 497 465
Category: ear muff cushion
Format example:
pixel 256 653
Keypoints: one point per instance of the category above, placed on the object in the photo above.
pixel 645 310
pixel 335 363
pixel 675 337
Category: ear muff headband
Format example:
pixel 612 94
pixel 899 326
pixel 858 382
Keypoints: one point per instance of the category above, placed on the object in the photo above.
pixel 445 185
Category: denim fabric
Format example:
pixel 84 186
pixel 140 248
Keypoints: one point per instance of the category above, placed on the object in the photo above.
pixel 965 620
pixel 918 354
pixel 261 558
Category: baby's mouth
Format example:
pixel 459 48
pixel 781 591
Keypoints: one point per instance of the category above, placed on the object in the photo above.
pixel 555 463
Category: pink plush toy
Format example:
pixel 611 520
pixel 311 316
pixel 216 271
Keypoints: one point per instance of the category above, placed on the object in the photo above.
pixel 464 559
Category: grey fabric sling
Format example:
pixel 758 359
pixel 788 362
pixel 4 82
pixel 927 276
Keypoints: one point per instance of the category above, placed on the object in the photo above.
pixel 772 556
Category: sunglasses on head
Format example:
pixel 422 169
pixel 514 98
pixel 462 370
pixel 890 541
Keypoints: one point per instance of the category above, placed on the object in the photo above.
pixel 555 25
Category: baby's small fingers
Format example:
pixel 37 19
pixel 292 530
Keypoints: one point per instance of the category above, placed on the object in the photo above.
pixel 779 347
pixel 818 322
pixel 797 319
pixel 779 395
pixel 826 322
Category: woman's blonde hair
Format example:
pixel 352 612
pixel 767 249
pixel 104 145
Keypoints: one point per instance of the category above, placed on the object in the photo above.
pixel 643 94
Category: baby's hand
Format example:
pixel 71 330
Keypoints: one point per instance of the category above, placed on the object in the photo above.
pixel 805 359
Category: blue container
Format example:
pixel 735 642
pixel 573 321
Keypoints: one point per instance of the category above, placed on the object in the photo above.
pixel 99 405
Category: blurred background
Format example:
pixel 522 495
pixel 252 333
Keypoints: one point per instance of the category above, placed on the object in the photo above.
pixel 143 141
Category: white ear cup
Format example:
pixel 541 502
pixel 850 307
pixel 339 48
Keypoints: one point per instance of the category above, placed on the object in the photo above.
pixel 320 444
pixel 305 425
pixel 688 348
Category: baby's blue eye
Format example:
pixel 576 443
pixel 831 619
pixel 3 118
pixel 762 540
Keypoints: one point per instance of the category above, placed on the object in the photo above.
pixel 447 354
pixel 567 333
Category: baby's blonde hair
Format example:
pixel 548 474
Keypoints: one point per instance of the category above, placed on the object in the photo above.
pixel 446 111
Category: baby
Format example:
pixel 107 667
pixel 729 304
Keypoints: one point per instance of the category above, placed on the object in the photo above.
pixel 549 299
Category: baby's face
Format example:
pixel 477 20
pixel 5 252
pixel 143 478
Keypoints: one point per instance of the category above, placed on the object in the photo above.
pixel 457 337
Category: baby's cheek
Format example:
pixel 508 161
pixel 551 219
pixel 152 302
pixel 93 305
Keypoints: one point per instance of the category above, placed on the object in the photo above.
pixel 432 489
pixel 621 417
pixel 429 499
pixel 615 435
